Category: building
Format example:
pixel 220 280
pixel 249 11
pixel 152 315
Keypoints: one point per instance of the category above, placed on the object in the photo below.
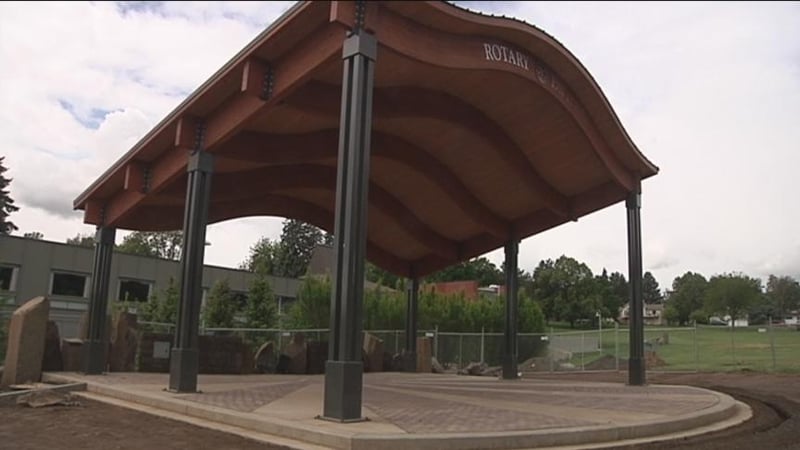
pixel 30 268
pixel 653 314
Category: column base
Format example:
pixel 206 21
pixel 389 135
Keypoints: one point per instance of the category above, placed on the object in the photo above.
pixel 94 357
pixel 343 391
pixel 510 368
pixel 183 363
pixel 636 372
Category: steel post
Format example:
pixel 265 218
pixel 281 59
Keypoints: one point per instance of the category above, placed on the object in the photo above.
pixel 510 351
pixel 410 356
pixel 183 365
pixel 636 365
pixel 95 348
pixel 344 369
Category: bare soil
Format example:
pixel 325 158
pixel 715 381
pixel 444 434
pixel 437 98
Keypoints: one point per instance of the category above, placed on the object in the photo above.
pixel 775 400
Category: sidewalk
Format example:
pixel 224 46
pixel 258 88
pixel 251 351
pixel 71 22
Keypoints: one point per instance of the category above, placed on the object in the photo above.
pixel 422 411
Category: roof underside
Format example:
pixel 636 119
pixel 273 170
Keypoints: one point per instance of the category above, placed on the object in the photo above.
pixel 484 129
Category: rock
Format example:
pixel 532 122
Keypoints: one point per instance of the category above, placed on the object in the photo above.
pixel 491 371
pixel 223 354
pixel 566 366
pixel 373 347
pixel 398 362
pixel 46 397
pixel 424 355
pixel 297 352
pixel 52 361
pixel 265 359
pixel 436 367
pixel 283 364
pixel 72 354
pixel 83 327
pixel 26 336
pixel 316 356
pixel 124 341
pixel 473 368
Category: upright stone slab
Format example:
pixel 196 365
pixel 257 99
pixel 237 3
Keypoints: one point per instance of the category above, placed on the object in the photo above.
pixel 124 342
pixel 297 351
pixel 52 361
pixel 25 349
pixel 373 347
pixel 72 354
pixel 316 355
pixel 266 360
pixel 424 355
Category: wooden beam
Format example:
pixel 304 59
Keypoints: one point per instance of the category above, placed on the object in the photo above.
pixel 440 49
pixel 392 102
pixel 134 177
pixel 321 145
pixel 290 70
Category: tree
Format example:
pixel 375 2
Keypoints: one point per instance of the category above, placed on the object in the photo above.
pixel 732 295
pixel 33 235
pixel 261 310
pixel 6 202
pixel 650 291
pixel 313 306
pixel 263 257
pixel 163 307
pixel 480 269
pixel 377 275
pixel 298 240
pixel 688 294
pixel 783 294
pixel 82 240
pixel 613 293
pixel 566 289
pixel 221 306
pixel 159 244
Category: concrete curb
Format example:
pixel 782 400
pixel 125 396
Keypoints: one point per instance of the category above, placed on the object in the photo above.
pixel 725 409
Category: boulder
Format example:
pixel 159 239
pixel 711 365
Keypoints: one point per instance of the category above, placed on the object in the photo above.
pixel 491 371
pixel 473 368
pixel 72 354
pixel 297 352
pixel 436 367
pixel 265 359
pixel 373 347
pixel 388 361
pixel 124 342
pixel 52 361
pixel 26 337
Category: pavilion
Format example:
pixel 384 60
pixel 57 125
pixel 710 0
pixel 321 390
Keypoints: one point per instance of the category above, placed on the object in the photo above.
pixel 419 133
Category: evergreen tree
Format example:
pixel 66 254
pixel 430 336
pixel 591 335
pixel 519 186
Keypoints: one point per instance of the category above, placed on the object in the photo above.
pixel 261 310
pixel 650 290
pixel 6 202
pixel 163 307
pixel 221 306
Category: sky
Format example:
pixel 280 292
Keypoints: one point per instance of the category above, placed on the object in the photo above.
pixel 710 92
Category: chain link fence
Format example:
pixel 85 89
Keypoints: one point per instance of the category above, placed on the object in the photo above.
pixel 766 348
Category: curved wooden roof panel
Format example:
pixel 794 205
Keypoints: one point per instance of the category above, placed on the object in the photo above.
pixel 484 129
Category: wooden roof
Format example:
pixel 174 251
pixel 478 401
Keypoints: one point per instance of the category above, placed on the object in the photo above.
pixel 484 129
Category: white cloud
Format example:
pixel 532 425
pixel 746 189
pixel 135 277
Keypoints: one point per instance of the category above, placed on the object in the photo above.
pixel 710 92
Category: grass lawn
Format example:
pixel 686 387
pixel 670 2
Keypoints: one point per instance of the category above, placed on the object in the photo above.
pixel 708 348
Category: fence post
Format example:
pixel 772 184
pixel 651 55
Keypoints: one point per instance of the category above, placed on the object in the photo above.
pixel 482 342
pixel 460 347
pixel 436 341
pixel 550 345
pixel 616 345
pixel 583 347
pixel 396 341
pixel 696 351
pixel 772 343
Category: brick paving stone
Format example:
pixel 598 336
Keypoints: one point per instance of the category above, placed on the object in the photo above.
pixel 250 398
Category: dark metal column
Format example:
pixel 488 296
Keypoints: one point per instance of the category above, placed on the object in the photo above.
pixel 95 348
pixel 410 357
pixel 636 367
pixel 183 362
pixel 510 351
pixel 343 372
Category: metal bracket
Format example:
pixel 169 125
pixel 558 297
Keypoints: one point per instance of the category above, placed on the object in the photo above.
pixel 361 14
pixel 147 178
pixel 267 84
pixel 199 137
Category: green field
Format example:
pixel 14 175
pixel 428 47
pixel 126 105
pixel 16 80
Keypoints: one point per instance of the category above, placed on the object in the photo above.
pixel 708 348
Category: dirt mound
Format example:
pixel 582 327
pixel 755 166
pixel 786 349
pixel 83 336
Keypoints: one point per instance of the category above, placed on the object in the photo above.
pixel 608 362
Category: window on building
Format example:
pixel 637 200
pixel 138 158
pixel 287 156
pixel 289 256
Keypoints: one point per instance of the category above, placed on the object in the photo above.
pixel 134 291
pixel 69 284
pixel 8 278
